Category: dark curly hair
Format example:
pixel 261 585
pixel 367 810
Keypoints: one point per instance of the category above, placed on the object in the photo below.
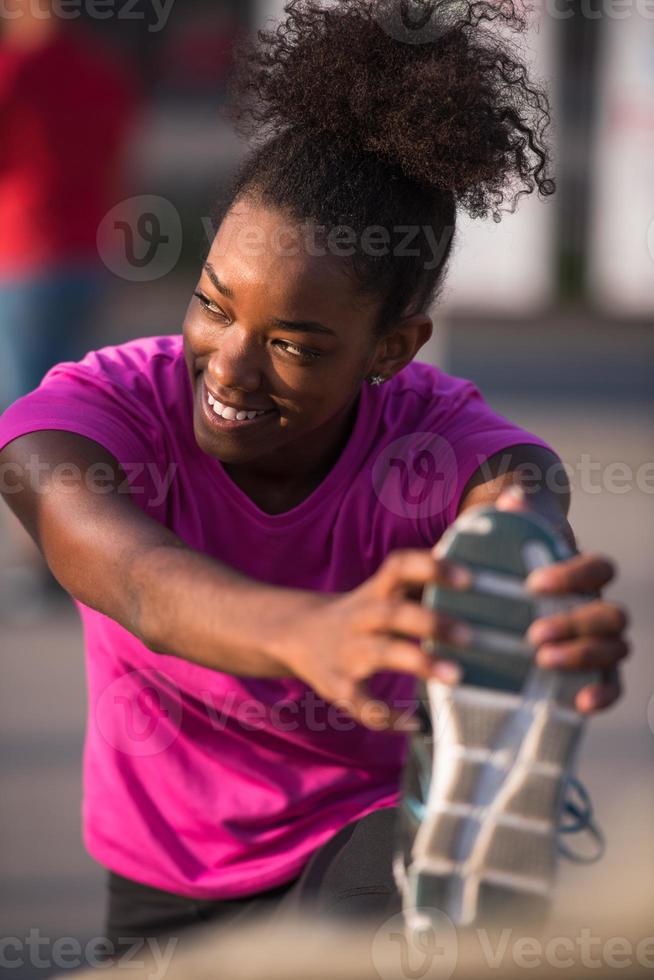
pixel 357 126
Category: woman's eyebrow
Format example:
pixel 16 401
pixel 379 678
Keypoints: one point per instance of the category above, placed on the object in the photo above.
pixel 213 275
pixel 303 326
pixel 297 326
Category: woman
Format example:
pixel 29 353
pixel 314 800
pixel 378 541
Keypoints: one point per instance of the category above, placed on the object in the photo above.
pixel 246 515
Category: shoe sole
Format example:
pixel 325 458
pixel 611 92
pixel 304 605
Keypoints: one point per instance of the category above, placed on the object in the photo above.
pixel 505 740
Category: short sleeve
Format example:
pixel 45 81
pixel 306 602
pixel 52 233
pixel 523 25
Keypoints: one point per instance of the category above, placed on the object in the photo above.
pixel 475 433
pixel 93 399
pixel 459 433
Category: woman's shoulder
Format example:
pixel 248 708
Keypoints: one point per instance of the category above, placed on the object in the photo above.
pixel 141 367
pixel 430 393
pixel 124 396
pixel 143 355
pixel 425 398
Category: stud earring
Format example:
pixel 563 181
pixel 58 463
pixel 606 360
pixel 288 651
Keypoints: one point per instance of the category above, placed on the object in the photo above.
pixel 376 379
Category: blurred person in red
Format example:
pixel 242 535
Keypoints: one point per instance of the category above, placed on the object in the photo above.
pixel 66 108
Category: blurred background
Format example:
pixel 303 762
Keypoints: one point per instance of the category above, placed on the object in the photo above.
pixel 112 150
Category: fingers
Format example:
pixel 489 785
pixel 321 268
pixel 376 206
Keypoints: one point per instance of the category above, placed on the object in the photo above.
pixel 587 638
pixel 598 617
pixel 584 574
pixel 409 659
pixel 513 499
pixel 413 620
pixel 374 714
pixel 597 697
pixel 407 568
pixel 353 694
pixel 589 653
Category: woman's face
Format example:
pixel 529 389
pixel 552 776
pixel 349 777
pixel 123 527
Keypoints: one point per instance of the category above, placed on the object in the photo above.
pixel 276 330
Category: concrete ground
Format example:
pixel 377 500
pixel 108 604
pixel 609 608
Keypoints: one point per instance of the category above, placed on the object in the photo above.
pixel 49 883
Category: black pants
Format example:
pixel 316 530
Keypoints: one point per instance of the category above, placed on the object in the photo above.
pixel 349 877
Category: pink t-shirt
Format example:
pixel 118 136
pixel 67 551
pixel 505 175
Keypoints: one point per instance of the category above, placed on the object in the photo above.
pixel 215 786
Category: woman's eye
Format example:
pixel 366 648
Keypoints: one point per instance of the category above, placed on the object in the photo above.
pixel 299 353
pixel 293 350
pixel 210 306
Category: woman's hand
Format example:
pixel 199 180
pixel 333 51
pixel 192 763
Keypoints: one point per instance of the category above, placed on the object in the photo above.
pixel 337 645
pixel 589 637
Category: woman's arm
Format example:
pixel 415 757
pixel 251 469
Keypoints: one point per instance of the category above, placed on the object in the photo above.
pixel 538 472
pixel 113 557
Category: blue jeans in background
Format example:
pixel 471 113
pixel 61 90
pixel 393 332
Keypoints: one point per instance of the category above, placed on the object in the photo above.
pixel 44 320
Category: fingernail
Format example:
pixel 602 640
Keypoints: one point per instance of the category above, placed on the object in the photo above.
pixel 514 491
pixel 460 577
pixel 447 672
pixel 537 580
pixel 551 657
pixel 586 702
pixel 539 633
pixel 460 635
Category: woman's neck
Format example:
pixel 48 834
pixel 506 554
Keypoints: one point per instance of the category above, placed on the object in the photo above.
pixel 282 481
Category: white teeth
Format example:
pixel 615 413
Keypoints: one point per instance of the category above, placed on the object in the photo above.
pixel 227 412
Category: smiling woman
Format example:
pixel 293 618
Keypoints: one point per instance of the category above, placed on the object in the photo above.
pixel 284 565
pixel 285 334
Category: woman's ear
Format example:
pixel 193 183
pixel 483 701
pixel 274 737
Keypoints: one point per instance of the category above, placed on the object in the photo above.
pixel 401 343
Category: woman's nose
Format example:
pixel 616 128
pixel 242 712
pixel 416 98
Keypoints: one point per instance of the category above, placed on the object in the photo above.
pixel 235 364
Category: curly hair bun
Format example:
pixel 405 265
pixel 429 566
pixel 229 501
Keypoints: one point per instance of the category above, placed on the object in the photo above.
pixel 436 89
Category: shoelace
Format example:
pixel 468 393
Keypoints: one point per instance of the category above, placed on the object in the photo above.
pixel 577 814
pixel 577 817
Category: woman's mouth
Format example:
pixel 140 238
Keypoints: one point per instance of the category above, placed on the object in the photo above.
pixel 226 418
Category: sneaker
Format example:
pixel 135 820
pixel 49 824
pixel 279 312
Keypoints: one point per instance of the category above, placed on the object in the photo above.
pixel 484 786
